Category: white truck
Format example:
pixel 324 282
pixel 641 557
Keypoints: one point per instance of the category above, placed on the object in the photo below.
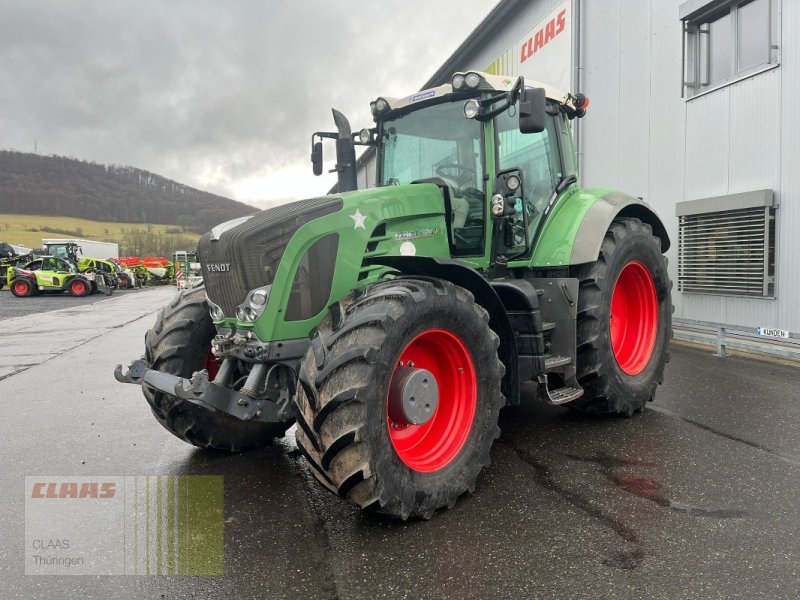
pixel 89 248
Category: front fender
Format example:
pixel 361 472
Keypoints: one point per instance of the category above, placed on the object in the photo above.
pixel 468 278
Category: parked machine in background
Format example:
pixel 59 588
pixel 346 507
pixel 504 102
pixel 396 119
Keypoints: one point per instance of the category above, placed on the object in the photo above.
pixel 89 248
pixel 55 274
pixel 12 255
pixel 188 271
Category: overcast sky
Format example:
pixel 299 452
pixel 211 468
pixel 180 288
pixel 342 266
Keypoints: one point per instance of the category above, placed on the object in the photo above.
pixel 219 95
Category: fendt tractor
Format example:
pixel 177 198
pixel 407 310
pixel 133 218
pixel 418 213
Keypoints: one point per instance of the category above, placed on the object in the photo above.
pixel 393 323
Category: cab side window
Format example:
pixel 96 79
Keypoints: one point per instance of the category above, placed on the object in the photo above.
pixel 535 154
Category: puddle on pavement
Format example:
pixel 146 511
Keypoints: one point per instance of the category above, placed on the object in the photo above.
pixel 649 489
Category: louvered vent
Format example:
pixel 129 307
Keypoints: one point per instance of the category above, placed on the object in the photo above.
pixel 728 252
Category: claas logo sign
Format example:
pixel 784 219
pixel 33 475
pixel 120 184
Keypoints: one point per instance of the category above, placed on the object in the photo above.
pixel 543 36
pixel 73 489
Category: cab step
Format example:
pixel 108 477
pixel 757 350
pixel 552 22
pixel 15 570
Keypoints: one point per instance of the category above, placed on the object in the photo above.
pixel 560 395
pixel 554 362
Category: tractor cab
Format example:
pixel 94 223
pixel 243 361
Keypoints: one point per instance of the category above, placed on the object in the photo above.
pixel 68 250
pixel 499 149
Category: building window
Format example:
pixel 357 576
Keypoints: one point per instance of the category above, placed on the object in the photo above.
pixel 726 245
pixel 726 41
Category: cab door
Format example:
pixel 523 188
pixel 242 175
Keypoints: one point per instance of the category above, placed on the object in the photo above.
pixel 538 157
pixel 47 275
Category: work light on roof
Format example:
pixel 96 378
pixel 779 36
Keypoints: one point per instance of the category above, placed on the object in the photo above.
pixel 473 80
pixel 381 105
pixel 458 81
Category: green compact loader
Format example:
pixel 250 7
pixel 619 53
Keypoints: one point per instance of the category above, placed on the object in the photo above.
pixel 53 274
pixel 392 324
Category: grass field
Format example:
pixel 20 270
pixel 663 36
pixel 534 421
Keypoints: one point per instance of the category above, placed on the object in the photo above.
pixel 16 229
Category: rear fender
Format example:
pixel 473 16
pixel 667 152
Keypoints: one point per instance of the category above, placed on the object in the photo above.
pixel 575 231
pixel 598 219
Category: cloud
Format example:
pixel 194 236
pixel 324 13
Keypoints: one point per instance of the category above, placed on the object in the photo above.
pixel 222 96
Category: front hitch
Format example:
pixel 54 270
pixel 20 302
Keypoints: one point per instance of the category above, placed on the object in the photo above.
pixel 199 390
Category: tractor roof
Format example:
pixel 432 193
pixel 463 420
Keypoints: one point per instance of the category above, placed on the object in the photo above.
pixel 488 82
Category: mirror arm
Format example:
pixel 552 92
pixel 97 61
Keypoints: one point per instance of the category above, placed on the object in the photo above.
pixel 492 113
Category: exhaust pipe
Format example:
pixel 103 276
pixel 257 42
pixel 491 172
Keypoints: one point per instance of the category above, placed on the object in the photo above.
pixel 345 154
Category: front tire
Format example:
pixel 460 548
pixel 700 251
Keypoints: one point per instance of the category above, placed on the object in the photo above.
pixel 78 287
pixel 180 344
pixel 624 321
pixel 349 428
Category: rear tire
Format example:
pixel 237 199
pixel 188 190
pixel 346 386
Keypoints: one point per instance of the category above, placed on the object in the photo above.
pixel 179 343
pixel 345 431
pixel 620 367
pixel 22 288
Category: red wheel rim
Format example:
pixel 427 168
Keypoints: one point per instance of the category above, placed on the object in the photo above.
pixel 211 364
pixel 78 287
pixel 434 444
pixel 21 287
pixel 634 318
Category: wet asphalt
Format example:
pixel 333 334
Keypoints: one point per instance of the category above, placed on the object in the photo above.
pixel 695 498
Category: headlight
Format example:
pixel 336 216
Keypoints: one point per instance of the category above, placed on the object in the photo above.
pixel 215 311
pixel 364 136
pixel 512 183
pixel 471 108
pixel 254 304
pixel 259 298
pixel 497 205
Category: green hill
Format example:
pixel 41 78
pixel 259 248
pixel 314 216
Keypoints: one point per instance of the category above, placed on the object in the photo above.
pixel 60 186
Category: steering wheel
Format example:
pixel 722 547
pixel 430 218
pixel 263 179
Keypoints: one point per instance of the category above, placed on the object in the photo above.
pixel 456 171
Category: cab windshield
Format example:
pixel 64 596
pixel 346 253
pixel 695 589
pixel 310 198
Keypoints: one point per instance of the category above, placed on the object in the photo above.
pixel 439 141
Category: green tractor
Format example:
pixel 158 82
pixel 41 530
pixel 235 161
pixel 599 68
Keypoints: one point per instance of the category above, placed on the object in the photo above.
pixel 53 274
pixel 392 324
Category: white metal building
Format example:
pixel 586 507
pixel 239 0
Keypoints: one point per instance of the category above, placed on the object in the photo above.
pixel 695 107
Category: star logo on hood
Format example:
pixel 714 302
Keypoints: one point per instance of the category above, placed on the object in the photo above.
pixel 359 219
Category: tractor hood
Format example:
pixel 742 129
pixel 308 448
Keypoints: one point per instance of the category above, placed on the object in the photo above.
pixel 307 254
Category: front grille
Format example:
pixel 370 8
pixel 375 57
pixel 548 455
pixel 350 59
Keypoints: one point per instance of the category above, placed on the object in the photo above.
pixel 254 248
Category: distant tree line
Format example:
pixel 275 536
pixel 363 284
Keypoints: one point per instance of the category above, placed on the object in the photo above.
pixel 140 242
pixel 57 185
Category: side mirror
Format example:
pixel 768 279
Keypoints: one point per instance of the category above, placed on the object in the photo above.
pixel 316 157
pixel 532 110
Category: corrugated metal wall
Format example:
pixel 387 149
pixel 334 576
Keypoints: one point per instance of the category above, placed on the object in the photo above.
pixel 641 137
